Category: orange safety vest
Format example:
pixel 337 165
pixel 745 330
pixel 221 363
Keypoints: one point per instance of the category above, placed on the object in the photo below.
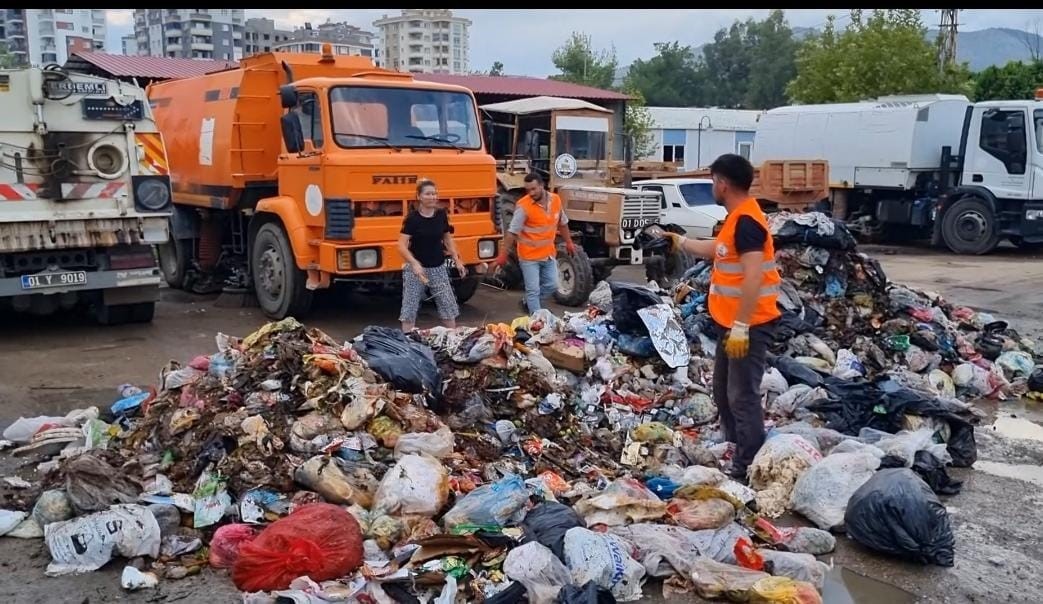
pixel 726 278
pixel 536 240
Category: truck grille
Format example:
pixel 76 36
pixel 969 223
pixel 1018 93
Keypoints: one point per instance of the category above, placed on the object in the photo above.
pixel 641 207
pixel 340 219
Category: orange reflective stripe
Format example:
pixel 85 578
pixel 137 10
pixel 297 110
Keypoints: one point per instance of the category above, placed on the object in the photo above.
pixel 727 277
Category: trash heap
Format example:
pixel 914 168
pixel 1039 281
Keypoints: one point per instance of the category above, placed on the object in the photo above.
pixel 554 459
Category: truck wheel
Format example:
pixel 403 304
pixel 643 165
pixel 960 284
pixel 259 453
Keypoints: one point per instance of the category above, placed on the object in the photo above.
pixel 174 255
pixel 969 227
pixel 142 312
pixel 465 288
pixel 112 314
pixel 575 278
pixel 278 283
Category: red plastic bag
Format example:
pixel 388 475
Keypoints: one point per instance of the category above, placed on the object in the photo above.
pixel 747 556
pixel 320 540
pixel 224 547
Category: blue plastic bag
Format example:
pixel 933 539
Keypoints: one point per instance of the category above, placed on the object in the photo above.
pixel 497 503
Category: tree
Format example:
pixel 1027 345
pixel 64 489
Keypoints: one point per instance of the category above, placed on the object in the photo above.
pixel 669 79
pixel 497 69
pixel 579 64
pixel 7 58
pixel 884 54
pixel 638 123
pixel 749 64
pixel 1015 80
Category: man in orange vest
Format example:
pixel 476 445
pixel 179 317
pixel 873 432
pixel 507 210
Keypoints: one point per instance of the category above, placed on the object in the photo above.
pixel 742 301
pixel 538 218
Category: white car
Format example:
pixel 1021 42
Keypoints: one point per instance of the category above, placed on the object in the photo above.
pixel 688 203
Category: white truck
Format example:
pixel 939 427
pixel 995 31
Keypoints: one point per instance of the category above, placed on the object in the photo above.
pixel 84 195
pixel 938 166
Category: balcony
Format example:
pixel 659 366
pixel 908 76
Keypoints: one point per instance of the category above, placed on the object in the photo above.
pixel 201 31
pixel 201 16
pixel 171 28
pixel 202 46
pixel 176 47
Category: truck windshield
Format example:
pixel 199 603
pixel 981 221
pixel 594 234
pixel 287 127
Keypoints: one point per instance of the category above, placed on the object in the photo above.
pixel 584 140
pixel 367 116
pixel 698 193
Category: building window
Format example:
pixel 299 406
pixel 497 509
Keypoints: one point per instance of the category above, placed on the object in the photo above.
pixel 224 27
pixel 673 153
pixel 745 149
pixel 65 26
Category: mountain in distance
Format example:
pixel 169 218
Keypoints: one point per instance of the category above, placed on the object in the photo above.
pixel 980 49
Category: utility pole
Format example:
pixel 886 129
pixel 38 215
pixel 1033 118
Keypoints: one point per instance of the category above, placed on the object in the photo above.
pixel 947 30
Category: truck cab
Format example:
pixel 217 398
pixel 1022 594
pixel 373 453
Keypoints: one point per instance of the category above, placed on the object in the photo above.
pixel 1000 191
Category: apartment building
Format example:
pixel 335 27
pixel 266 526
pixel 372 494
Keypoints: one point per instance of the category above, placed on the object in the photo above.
pixel 344 38
pixel 261 35
pixel 193 33
pixel 40 36
pixel 424 41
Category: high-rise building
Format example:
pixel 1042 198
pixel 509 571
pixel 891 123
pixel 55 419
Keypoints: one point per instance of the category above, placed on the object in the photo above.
pixel 344 38
pixel 193 33
pixel 424 41
pixel 40 36
pixel 261 35
pixel 129 43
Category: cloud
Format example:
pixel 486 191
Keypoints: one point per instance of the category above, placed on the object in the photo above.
pixel 525 40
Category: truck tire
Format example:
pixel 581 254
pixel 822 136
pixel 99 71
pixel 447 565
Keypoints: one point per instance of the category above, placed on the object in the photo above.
pixel 174 256
pixel 142 312
pixel 278 283
pixel 465 288
pixel 575 278
pixel 969 227
pixel 112 314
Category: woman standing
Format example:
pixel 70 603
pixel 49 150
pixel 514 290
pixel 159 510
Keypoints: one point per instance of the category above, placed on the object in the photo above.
pixel 426 236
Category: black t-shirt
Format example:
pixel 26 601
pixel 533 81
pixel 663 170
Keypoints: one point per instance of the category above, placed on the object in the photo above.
pixel 425 237
pixel 749 235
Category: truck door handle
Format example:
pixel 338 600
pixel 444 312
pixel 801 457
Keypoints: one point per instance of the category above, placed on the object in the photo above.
pixel 976 178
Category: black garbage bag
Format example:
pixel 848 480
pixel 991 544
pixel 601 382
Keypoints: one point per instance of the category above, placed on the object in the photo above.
pixel 407 365
pixel 796 372
pixel 896 513
pixel 547 524
pixel 790 325
pixel 792 232
pixel 627 299
pixel 590 593
pixel 932 471
pixel 1035 383
pixel 514 594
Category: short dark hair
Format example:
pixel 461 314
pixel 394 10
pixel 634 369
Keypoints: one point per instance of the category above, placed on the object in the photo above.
pixel 736 169
pixel 422 184
pixel 534 177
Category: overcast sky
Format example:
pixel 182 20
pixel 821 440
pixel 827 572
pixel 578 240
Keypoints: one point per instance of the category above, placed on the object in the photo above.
pixel 524 40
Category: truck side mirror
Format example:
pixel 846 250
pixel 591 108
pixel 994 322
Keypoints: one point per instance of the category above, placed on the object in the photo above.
pixel 292 135
pixel 288 96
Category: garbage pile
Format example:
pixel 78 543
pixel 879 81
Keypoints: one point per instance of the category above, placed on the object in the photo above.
pixel 553 459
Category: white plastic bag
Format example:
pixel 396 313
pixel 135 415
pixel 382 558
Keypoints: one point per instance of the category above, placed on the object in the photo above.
pixel 800 567
pixel 624 500
pixel 87 543
pixel 848 365
pixel 773 383
pixel 9 520
pixel 902 445
pixel 438 444
pixel 821 493
pixel 539 570
pixel 603 559
pixel 417 484
pixel 775 469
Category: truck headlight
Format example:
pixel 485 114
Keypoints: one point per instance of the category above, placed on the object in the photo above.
pixel 151 193
pixel 1033 214
pixel 486 249
pixel 366 258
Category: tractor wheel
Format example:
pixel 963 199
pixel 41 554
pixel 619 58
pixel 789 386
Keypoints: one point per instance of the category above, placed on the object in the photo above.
pixel 575 278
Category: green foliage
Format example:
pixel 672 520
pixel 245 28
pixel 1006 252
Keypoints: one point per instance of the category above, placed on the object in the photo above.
pixel 7 58
pixel 1015 80
pixel 638 123
pixel 883 54
pixel 580 64
pixel 669 79
pixel 496 69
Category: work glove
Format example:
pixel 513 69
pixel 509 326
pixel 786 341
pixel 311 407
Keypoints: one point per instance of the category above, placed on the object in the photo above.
pixel 570 247
pixel 676 241
pixel 500 261
pixel 737 345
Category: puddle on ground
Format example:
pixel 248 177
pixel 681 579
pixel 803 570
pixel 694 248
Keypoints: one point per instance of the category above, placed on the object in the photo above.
pixel 845 586
pixel 1025 472
pixel 1017 427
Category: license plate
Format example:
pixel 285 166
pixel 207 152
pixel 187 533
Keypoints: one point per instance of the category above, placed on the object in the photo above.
pixel 43 281
pixel 636 223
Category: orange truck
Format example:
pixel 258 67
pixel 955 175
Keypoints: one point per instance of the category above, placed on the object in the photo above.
pixel 293 171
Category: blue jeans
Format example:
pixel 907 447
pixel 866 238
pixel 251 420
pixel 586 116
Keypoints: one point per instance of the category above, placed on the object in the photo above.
pixel 541 280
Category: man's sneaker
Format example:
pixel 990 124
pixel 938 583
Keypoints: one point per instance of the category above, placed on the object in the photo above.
pixel 737 475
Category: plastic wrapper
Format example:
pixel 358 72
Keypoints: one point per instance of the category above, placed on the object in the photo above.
pixel 900 449
pixel 225 544
pixel 539 570
pixel 438 444
pixel 783 590
pixel 9 520
pixel 848 365
pixel 491 504
pixel 323 475
pixel 417 484
pixel 776 468
pixel 87 543
pixel 800 567
pixel 627 299
pixel 93 485
pixel 603 559
pixel 51 506
pixel 704 514
pixel 821 493
pixel 624 500
pixel 319 540
pixel 547 524
pixel 1015 363
pixel 666 333
pixel 714 580
pixel 896 513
